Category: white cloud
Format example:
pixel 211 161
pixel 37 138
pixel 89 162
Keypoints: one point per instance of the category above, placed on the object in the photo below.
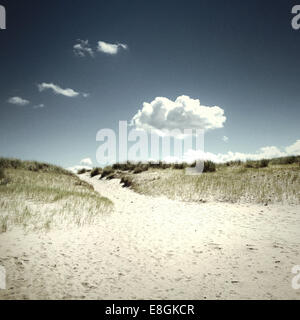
pixel 18 101
pixel 225 139
pixel 75 169
pixel 58 90
pixel 110 48
pixel 38 106
pixel 82 48
pixel 294 149
pixel 86 161
pixel 263 153
pixel 183 113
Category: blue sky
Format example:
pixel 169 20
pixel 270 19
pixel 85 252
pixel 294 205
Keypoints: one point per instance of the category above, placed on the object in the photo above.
pixel 240 56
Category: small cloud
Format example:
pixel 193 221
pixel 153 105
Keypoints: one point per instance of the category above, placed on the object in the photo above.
pixel 85 95
pixel 39 106
pixel 18 101
pixel 184 113
pixel 110 48
pixel 58 90
pixel 82 48
pixel 86 161
pixel 225 139
pixel 75 169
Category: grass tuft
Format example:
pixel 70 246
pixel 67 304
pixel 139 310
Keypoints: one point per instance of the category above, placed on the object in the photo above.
pixel 107 171
pixel 95 172
pixel 82 171
pixel 47 198
pixel 127 181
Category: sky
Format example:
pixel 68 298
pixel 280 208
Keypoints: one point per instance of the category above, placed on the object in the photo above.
pixel 71 68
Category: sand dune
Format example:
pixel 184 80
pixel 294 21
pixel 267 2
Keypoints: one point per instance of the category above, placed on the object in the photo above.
pixel 156 248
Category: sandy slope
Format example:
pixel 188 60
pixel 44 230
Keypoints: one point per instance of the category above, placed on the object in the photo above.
pixel 159 248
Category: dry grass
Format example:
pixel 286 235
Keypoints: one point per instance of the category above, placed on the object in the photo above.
pixel 273 184
pixel 42 200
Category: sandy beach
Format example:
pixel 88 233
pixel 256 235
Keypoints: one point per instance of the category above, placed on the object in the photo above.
pixel 156 248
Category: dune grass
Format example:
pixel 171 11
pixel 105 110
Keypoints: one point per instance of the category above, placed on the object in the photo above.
pixel 253 181
pixel 238 183
pixel 41 196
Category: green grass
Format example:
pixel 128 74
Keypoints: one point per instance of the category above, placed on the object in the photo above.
pixel 95 172
pixel 2 174
pixel 254 181
pixel 9 163
pixel 46 197
pixel 272 184
pixel 107 171
pixel 82 171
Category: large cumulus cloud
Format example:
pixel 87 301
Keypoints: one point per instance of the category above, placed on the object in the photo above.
pixel 183 113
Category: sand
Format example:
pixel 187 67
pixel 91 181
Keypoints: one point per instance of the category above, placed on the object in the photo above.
pixel 156 248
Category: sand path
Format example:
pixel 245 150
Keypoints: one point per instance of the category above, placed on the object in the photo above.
pixel 156 248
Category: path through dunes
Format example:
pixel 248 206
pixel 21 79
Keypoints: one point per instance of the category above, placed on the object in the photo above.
pixel 156 248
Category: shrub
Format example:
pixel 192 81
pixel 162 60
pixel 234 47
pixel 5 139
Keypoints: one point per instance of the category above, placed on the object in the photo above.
pixel 181 165
pixel 193 165
pixel 166 165
pixel 263 163
pixel 3 179
pixel 127 181
pixel 119 166
pixel 138 170
pixel 107 171
pixel 249 164
pixel 145 166
pixel 95 172
pixel 2 175
pixel 127 166
pixel 111 176
pixel 286 160
pixel 159 165
pixel 209 166
pixel 116 166
pixel 130 166
pixel 141 168
pixel 81 171
pixel 233 163
pixel 10 163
